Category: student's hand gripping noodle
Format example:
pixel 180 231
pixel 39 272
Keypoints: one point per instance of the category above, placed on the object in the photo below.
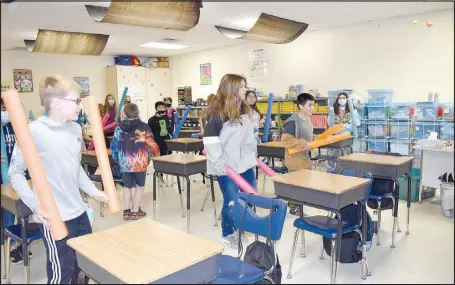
pixel 47 209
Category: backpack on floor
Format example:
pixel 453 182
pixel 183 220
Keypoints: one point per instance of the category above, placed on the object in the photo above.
pixel 351 244
pixel 379 187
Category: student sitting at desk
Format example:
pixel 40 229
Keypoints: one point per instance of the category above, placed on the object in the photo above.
pixel 298 133
pixel 230 142
pixel 132 148
pixel 10 140
pixel 58 141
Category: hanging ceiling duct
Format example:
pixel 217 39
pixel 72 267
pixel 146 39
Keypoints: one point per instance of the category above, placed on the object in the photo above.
pixel 180 16
pixel 67 43
pixel 268 29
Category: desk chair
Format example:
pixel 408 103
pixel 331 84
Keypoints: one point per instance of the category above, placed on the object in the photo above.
pixel 235 271
pixel 326 226
pixel 23 234
pixel 379 197
pixel 117 180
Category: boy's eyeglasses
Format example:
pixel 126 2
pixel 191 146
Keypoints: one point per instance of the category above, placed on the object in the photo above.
pixel 77 101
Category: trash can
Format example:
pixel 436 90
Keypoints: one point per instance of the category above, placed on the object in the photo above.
pixel 447 199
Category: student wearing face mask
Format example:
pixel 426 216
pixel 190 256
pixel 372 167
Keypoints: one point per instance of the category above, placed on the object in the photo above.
pixel 342 115
pixel 109 107
pixel 10 140
pixel 170 111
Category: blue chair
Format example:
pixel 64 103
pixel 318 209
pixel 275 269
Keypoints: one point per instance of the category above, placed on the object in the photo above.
pixel 235 271
pixel 326 226
pixel 25 238
pixel 117 176
pixel 379 197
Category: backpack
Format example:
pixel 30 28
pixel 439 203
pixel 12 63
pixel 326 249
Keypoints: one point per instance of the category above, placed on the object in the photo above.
pixel 379 187
pixel 351 249
pixel 262 255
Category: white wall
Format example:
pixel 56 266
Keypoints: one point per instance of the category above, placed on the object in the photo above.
pixel 43 64
pixel 411 59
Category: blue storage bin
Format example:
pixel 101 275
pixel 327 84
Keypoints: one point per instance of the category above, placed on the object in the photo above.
pixel 400 111
pixel 377 112
pixel 380 96
pixel 123 60
pixel 426 111
pixel 379 145
pixel 401 147
pixel 423 129
pixel 377 129
pixel 400 130
pixel 446 131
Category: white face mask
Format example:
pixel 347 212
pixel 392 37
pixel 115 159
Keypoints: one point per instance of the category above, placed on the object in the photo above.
pixel 111 102
pixel 342 102
pixel 5 117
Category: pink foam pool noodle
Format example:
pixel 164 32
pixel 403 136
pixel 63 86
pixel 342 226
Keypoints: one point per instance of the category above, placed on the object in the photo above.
pixel 114 124
pixel 265 168
pixel 103 123
pixel 242 183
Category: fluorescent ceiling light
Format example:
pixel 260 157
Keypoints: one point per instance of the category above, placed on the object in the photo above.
pixel 163 45
pixel 244 24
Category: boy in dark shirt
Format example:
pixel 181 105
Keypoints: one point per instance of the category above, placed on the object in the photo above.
pixel 161 129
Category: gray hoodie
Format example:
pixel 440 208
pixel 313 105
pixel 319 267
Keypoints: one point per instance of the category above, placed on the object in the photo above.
pixel 59 149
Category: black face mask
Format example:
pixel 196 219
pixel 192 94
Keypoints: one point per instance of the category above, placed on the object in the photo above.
pixel 161 112
pixel 168 105
pixel 127 102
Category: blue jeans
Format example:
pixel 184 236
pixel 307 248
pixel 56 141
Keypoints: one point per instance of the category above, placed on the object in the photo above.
pixel 229 190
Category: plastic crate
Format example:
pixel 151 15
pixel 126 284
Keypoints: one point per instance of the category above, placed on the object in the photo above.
pixel 400 130
pixel 401 111
pixel 123 60
pixel 423 129
pixel 401 147
pixel 446 131
pixel 377 112
pixel 446 111
pixel 380 96
pixel 415 186
pixel 377 129
pixel 378 145
pixel 319 121
pixel 426 111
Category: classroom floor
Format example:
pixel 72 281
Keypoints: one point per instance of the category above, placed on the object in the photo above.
pixel 426 256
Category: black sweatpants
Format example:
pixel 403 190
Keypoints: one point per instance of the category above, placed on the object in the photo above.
pixel 61 263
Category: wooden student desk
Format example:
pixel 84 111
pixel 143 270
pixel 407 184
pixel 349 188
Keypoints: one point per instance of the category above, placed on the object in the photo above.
pixel 185 145
pixel 13 204
pixel 89 158
pixel 386 167
pixel 188 133
pixel 325 191
pixel 145 252
pixel 182 165
pixel 273 149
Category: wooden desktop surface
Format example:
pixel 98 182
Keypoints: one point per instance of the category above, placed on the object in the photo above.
pixel 276 144
pixel 180 158
pixel 144 251
pixel 377 159
pixel 9 193
pixel 321 181
pixel 185 140
pixel 93 152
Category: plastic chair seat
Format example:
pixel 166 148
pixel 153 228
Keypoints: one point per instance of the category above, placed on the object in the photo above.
pixel 97 178
pixel 281 170
pixel 323 226
pixel 236 271
pixel 15 233
pixel 381 197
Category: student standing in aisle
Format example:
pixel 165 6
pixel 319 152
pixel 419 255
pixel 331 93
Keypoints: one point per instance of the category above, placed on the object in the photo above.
pixel 10 140
pixel 161 129
pixel 132 148
pixel 256 116
pixel 110 107
pixel 58 141
pixel 170 112
pixel 298 133
pixel 229 141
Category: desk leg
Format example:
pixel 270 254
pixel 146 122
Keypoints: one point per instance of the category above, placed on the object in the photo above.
pixel 337 251
pixel 180 194
pixel 212 189
pixel 188 203
pixel 364 240
pixel 396 194
pixel 408 204
pixel 155 174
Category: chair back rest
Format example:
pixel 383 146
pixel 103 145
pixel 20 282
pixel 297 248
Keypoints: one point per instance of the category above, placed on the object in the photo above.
pixel 246 219
pixel 353 173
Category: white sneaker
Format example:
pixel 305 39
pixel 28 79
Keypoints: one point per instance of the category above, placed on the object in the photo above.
pixel 230 241
pixel 244 238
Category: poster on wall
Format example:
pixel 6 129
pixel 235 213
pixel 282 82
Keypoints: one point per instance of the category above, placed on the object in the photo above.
pixel 5 86
pixel 23 80
pixel 83 83
pixel 206 73
pixel 258 64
